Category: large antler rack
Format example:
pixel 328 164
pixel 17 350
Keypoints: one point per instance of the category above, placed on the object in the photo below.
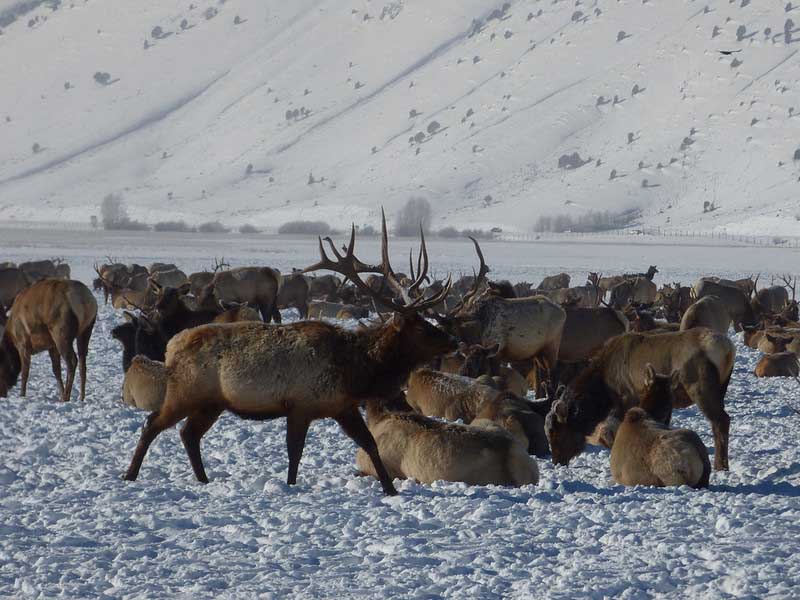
pixel 479 279
pixel 350 266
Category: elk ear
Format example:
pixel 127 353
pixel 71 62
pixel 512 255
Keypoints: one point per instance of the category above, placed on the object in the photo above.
pixel 185 288
pixel 493 350
pixel 649 375
pixel 560 410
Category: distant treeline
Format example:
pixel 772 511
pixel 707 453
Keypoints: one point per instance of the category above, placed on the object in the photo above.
pixel 589 222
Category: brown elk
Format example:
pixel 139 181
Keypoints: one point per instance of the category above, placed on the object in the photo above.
pixel 304 371
pixel 781 364
pixel 647 452
pixel 169 278
pixel 49 315
pixel 413 446
pixel 639 290
pixel 708 311
pixel 322 309
pixel 145 384
pixel 323 286
pixel 615 379
pixel 587 329
pixel 476 360
pixel 675 300
pixel 12 282
pixel 256 286
pixel 293 293
pixel 37 270
pixel 735 300
pixel 554 282
pixel 527 330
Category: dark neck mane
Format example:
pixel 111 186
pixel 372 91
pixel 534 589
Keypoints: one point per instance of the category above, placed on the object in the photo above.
pixel 8 348
pixel 590 401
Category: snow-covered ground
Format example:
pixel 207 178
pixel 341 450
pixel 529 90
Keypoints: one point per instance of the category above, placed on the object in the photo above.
pixel 496 112
pixel 70 527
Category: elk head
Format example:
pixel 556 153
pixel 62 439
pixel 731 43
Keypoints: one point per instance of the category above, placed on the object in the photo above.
pixel 407 330
pixel 566 442
pixel 168 299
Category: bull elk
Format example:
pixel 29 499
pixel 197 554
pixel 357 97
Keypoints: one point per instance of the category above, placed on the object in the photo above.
pixel 615 378
pixel 303 371
pixel 49 315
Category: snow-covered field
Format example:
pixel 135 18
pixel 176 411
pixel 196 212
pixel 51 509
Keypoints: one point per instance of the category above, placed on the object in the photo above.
pixel 70 527
pixel 257 111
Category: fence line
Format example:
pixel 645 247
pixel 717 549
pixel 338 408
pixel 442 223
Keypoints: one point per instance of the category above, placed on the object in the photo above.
pixel 656 232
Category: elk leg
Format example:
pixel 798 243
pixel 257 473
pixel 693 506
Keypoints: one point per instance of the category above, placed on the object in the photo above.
pixel 701 384
pixel 296 429
pixel 83 350
pixel 195 428
pixel 353 425
pixel 25 358
pixel 156 422
pixel 55 360
pixel 66 350
pixel 276 314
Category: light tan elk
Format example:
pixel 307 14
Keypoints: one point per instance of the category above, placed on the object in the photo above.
pixel 708 311
pixel 735 300
pixel 554 282
pixel 587 329
pixel 145 384
pixel 527 330
pixel 615 379
pixel 256 286
pixel 12 282
pixel 639 290
pixel 49 315
pixel 476 361
pixel 304 371
pixel 455 397
pixel 781 364
pixel 416 447
pixel 647 452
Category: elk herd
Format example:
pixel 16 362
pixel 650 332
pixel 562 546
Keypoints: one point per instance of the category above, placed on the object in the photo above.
pixel 464 380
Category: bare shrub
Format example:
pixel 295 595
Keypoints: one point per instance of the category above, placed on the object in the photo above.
pixel 248 229
pixel 114 215
pixel 212 227
pixel 305 228
pixel 589 222
pixel 179 226
pixel 415 212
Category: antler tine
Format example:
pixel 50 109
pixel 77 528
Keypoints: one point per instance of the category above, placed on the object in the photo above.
pixel 324 262
pixel 422 264
pixel 482 271
pixel 411 263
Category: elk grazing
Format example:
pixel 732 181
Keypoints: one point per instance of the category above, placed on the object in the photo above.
pixel 49 315
pixel 781 364
pixel 615 378
pixel 647 452
pixel 413 446
pixel 303 371
pixel 708 311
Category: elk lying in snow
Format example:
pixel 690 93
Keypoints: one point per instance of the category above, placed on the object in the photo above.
pixel 49 315
pixel 476 361
pixel 304 371
pixel 615 378
pixel 455 397
pixel 145 384
pixel 413 446
pixel 708 311
pixel 647 452
pixel 782 364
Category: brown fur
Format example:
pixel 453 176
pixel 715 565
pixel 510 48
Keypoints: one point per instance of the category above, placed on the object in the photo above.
pixel 415 447
pixel 49 315
pixel 647 452
pixel 145 384
pixel 251 285
pixel 616 377
pixel 782 364
pixel 587 329
pixel 708 311
pixel 304 371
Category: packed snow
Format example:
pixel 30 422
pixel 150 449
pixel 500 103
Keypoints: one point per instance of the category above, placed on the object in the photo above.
pixel 71 527
pixel 248 111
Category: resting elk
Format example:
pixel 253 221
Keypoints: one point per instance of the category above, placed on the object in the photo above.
pixel 304 371
pixel 647 452
pixel 615 378
pixel 416 447
pixel 781 364
pixel 49 315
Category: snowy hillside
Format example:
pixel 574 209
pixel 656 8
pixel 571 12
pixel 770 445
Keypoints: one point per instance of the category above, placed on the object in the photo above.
pixel 497 113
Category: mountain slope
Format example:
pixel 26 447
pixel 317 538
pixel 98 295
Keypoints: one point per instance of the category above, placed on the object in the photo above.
pixel 514 111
